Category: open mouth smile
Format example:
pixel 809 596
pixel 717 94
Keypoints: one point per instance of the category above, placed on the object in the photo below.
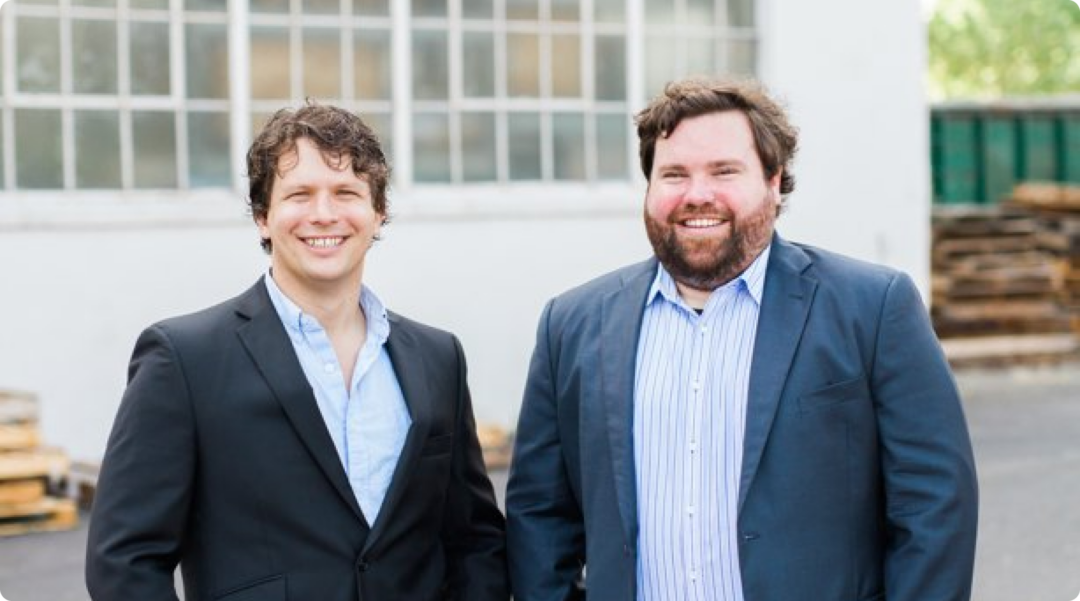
pixel 324 241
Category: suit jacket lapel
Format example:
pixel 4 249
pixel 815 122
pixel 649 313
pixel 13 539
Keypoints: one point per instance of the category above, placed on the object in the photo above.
pixel 410 368
pixel 785 306
pixel 620 318
pixel 269 346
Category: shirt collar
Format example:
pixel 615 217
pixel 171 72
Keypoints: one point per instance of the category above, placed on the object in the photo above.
pixel 752 280
pixel 294 318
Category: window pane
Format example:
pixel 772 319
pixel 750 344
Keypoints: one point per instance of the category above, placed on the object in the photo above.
pixel 523 9
pixel 611 146
pixel 322 7
pixel 207 61
pixel 372 64
pixel 208 150
pixel 740 13
pixel 429 8
pixel 103 3
pixel 569 139
pixel 154 134
pixel 269 6
pixel 565 10
pixel 478 147
pixel 700 58
pixel 523 134
pixel 93 54
pixel 523 64
pixel 701 11
pixel 384 128
pixel 610 67
pixel 660 12
pixel 660 63
pixel 431 145
pixel 610 11
pixel 566 65
pixel 97 149
pixel 270 63
pixel 478 64
pixel 38 52
pixel 149 58
pixel 429 63
pixel 39 157
pixel 207 5
pixel 742 57
pixel 478 9
pixel 372 8
pixel 322 63
pixel 161 4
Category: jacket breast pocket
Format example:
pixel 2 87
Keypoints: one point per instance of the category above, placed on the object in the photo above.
pixel 438 445
pixel 835 394
pixel 271 588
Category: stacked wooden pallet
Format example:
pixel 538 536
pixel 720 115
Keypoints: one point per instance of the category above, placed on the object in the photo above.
pixel 27 470
pixel 1058 209
pixel 996 288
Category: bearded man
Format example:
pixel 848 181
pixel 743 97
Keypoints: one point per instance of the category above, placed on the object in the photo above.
pixel 739 417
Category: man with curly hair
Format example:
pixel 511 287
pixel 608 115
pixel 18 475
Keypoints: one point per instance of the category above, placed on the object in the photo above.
pixel 299 441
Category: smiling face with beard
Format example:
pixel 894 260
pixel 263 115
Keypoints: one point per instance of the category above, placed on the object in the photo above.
pixel 709 211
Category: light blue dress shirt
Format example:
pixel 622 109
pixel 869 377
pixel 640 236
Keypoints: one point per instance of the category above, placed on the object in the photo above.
pixel 690 396
pixel 368 420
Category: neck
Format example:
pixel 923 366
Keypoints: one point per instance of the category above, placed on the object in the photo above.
pixel 336 306
pixel 695 298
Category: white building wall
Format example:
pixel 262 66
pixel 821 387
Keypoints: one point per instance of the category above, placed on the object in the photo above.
pixel 80 283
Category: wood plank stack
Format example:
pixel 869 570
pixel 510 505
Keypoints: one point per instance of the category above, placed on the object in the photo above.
pixel 28 471
pixel 1058 209
pixel 998 286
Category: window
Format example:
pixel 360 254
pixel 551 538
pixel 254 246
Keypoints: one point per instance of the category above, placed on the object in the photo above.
pixel 137 94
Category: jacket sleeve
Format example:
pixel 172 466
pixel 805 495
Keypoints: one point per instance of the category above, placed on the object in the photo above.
pixel 545 527
pixel 474 531
pixel 927 463
pixel 144 490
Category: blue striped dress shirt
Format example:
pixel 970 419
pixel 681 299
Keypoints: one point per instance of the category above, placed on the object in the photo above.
pixel 368 420
pixel 690 396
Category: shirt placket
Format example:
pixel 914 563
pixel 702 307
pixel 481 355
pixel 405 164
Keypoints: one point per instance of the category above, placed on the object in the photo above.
pixel 693 528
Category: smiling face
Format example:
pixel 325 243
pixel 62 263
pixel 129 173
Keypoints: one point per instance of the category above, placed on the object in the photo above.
pixel 709 210
pixel 321 223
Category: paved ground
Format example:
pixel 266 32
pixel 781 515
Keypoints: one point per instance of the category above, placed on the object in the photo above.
pixel 1026 429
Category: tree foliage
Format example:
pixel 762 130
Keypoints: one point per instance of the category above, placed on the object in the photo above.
pixel 985 48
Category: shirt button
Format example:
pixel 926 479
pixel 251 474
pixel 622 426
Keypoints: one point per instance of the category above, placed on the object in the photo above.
pixel 690 510
pixel 696 385
pixel 704 329
pixel 328 368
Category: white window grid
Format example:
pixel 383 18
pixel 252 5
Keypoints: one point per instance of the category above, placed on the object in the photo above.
pixel 401 107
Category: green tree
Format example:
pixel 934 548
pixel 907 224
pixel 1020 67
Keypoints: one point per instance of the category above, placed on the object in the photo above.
pixel 985 48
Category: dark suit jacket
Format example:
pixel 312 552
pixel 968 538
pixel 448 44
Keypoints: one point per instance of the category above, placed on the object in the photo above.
pixel 857 481
pixel 220 460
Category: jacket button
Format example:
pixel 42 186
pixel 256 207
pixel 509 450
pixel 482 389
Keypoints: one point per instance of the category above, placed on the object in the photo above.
pixel 749 536
pixel 362 566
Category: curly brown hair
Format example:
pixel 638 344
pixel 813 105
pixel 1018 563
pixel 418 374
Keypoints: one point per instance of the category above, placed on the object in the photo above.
pixel 775 138
pixel 340 135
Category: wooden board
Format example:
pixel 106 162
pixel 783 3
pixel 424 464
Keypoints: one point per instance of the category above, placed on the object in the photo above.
pixel 1011 350
pixel 19 436
pixel 17 407
pixel 19 465
pixel 46 515
pixel 22 491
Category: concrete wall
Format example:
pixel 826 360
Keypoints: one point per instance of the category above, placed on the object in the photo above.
pixel 82 276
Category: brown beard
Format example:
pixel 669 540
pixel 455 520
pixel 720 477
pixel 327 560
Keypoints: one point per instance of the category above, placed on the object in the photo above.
pixel 725 259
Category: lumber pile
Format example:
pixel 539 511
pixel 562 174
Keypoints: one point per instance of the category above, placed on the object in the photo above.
pixel 28 471
pixel 1005 282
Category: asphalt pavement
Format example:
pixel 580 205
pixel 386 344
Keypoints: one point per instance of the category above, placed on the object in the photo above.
pixel 1025 425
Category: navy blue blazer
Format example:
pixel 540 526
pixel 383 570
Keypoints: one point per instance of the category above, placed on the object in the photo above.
pixel 858 480
pixel 219 460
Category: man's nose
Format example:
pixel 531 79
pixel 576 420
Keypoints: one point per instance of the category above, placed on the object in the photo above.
pixel 323 208
pixel 699 190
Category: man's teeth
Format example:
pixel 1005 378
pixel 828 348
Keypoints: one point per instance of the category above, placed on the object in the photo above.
pixel 324 242
pixel 702 222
